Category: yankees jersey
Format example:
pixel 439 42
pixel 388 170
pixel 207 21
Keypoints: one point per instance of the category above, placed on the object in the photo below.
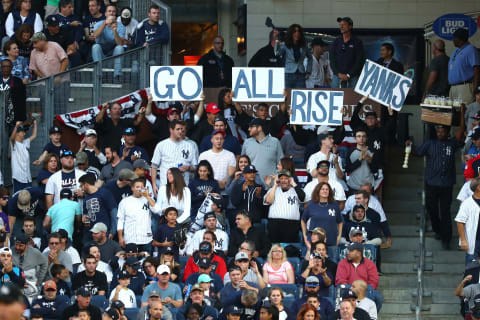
pixel 285 206
pixel 221 244
pixel 135 221
pixel 338 191
pixel 325 215
pixel 125 295
pixel 170 154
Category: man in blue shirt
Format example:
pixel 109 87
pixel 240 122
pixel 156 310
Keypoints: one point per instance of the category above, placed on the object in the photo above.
pixel 26 202
pixel 49 306
pixel 109 38
pixel 98 206
pixel 153 30
pixel 463 68
pixel 440 177
pixel 130 151
pixel 63 214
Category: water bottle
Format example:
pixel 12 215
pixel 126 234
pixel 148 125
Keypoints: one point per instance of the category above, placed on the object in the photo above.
pixel 187 293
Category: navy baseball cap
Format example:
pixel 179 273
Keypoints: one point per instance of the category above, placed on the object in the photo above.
pixel 54 129
pixel 129 132
pixel 52 21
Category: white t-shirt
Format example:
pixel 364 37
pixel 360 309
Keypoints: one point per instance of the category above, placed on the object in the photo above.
pixel 369 306
pixel 320 156
pixel 21 161
pixel 465 192
pixel 60 180
pixel 219 161
pixel 183 206
pixel 170 154
pixel 220 245
pixel 127 296
pixel 338 191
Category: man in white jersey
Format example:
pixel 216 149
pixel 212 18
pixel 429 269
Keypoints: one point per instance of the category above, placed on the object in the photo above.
pixel 173 152
pixel 222 161
pixel 210 222
pixel 322 175
pixel 326 143
pixel 372 202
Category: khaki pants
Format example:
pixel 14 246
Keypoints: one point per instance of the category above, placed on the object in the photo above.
pixel 462 91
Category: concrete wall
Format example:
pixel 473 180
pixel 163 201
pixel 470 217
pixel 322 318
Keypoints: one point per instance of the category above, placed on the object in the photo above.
pixel 365 14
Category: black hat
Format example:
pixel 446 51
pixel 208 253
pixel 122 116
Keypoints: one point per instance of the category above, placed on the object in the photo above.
pixel 169 250
pixel 209 215
pixel 476 90
pixel 250 169
pixel 220 118
pixel 129 132
pixel 10 294
pixel 204 263
pixel 63 233
pixel 66 153
pixel 346 19
pixel 370 114
pixel 52 21
pixel 54 129
pixel 461 34
pixel 131 248
pixel 232 309
pixel 323 162
pixel 21 128
pixel 318 42
pixel 205 247
pixel 124 275
pixel 257 122
pixel 66 193
pixel 322 136
pixel 356 246
pixel 358 206
pixel 112 313
pixel 476 116
pixel 84 292
pixel 476 306
pixel 218 201
pixel 22 238
pixel 131 261
pixel 476 135
pixel 349 294
pixel 117 304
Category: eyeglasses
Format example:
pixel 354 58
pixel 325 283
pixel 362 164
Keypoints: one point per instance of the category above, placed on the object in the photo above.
pixel 54 243
pixel 246 249
pixel 5 198
pixel 277 251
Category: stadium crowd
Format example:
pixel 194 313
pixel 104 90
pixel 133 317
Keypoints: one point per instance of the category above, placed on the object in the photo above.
pixel 215 223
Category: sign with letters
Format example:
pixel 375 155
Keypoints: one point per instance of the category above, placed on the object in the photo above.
pixel 446 25
pixel 176 83
pixel 258 84
pixel 316 107
pixel 383 85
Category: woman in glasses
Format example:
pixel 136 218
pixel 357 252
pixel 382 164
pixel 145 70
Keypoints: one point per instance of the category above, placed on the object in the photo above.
pixel 150 265
pixel 277 269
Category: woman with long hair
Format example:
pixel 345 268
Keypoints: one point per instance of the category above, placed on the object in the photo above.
pixel 168 258
pixel 285 163
pixel 277 269
pixel 294 51
pixel 323 211
pixel 19 63
pixel 276 296
pixel 201 185
pixel 308 312
pixel 22 39
pixel 50 165
pixel 175 194
pixel 230 111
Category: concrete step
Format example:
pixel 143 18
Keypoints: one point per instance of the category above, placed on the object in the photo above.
pixel 395 256
pixel 405 179
pixel 396 267
pixel 403 205
pixel 403 193
pixel 396 308
pixel 443 256
pixel 404 230
pixel 390 295
pixel 409 281
pixel 390 316
pixel 396 218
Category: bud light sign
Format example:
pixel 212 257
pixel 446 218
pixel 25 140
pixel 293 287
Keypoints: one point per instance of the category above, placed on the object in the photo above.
pixel 445 26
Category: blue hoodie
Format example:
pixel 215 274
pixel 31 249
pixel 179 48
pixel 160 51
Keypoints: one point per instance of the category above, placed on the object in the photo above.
pixel 151 34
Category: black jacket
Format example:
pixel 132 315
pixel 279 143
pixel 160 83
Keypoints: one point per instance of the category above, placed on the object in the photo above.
pixel 18 95
pixel 394 65
pixel 202 129
pixel 259 237
pixel 273 126
pixel 248 200
pixel 95 313
pixel 265 57
pixel 212 68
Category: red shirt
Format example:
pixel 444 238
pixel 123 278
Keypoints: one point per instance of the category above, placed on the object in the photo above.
pixel 218 263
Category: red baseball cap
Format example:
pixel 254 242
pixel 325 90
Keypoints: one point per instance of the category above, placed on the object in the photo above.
pixel 172 110
pixel 219 131
pixel 212 108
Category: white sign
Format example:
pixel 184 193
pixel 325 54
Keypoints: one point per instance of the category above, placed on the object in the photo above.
pixel 176 83
pixel 383 85
pixel 258 84
pixel 316 107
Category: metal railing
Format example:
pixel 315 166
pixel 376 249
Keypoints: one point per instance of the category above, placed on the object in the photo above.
pixel 79 88
pixel 421 260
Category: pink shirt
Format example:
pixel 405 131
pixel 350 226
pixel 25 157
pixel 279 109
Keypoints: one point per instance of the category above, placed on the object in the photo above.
pixel 277 276
pixel 48 62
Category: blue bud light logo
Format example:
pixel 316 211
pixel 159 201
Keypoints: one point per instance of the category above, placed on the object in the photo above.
pixel 446 25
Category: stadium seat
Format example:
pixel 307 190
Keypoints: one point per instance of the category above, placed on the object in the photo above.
pixel 288 301
pixel 183 261
pixel 295 262
pixel 290 290
pixel 100 302
pixel 131 313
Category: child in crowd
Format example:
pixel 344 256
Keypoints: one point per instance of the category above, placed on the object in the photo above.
pixel 20 153
pixel 55 145
pixel 163 238
pixel 122 292
pixel 59 274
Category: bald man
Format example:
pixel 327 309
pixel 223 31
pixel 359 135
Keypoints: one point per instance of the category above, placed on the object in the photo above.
pixel 437 83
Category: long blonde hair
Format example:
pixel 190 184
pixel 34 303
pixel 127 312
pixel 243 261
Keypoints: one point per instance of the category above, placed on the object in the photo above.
pixel 174 263
pixel 275 246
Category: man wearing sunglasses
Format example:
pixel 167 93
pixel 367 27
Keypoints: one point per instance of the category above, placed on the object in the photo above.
pixel 67 177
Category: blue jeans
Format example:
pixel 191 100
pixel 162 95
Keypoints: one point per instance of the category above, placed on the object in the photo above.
pixel 295 80
pixel 100 51
pixel 474 256
pixel 332 253
pixel 336 83
pixel 17 185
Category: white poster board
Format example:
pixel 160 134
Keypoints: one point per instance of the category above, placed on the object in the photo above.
pixel 383 85
pixel 316 107
pixel 258 84
pixel 176 83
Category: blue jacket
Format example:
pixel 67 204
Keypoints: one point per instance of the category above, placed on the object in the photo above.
pixel 64 23
pixel 151 34
pixel 47 307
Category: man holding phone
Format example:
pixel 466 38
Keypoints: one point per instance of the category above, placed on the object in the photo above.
pixel 249 195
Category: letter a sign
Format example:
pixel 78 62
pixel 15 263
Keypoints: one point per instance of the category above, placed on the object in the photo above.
pixel 383 85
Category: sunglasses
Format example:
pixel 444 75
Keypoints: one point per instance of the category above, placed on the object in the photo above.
pixel 243 260
pixel 5 198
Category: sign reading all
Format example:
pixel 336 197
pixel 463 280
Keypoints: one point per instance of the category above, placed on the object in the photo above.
pixel 446 25
pixel 258 84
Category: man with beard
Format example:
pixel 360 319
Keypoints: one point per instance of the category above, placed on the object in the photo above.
pixel 114 165
pixel 31 260
pixel 67 177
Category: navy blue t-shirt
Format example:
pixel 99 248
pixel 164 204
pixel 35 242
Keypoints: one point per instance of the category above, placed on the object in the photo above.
pixel 42 175
pixel 98 206
pixel 51 148
pixel 89 22
pixel 36 202
pixel 326 216
pixel 231 144
pixel 165 232
pixel 137 151
pixel 118 193
pixel 69 180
